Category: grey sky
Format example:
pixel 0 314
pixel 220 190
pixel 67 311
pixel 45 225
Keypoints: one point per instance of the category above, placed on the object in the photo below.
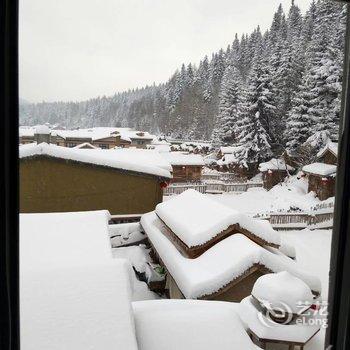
pixel 77 49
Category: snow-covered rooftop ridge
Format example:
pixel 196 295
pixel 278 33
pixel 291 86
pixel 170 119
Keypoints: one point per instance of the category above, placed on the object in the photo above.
pixel 219 265
pixel 85 145
pixel 178 158
pixel 320 169
pixel 331 146
pixel 275 164
pixel 282 288
pixel 141 161
pixel 196 219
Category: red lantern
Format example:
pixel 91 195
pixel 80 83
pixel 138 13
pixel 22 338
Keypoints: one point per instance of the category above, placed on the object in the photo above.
pixel 163 184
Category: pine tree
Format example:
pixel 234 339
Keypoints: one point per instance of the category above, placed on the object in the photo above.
pixel 228 106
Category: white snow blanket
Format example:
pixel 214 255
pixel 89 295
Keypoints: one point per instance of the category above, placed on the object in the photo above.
pixel 178 158
pixel 275 164
pixel 282 289
pixel 219 265
pixel 320 169
pixel 73 294
pixel 143 161
pixel 195 218
pixel 189 324
pixel 267 329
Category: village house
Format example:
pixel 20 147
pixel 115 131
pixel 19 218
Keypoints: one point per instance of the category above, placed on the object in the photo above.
pixel 60 179
pixel 101 137
pixel 321 179
pixel 212 252
pixel 137 139
pixel 329 154
pixel 274 171
pixel 322 174
pixel 186 167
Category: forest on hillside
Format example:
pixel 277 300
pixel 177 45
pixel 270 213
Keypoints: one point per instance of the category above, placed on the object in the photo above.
pixel 266 91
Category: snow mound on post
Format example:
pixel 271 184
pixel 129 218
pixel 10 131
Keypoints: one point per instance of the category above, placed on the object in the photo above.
pixel 282 288
pixel 219 265
pixel 142 161
pixel 165 324
pixel 196 219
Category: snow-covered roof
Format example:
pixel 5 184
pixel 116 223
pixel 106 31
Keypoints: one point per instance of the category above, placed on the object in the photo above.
pixel 134 134
pixel 165 324
pixel 332 147
pixel 229 149
pixel 87 229
pixel 196 219
pixel 73 294
pixel 275 164
pixel 221 264
pixel 227 159
pixel 86 145
pixel 141 161
pixel 282 289
pixel 264 328
pixel 93 134
pixel 42 129
pixel 320 169
pixel 178 158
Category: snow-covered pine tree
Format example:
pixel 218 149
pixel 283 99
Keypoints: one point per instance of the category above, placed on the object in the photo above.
pixel 298 127
pixel 229 104
pixel 256 114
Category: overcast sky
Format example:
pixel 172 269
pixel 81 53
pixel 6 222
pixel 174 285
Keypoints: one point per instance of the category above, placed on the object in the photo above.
pixel 77 49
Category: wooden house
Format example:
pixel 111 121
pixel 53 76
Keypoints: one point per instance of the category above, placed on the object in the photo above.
pixel 212 252
pixel 186 167
pixel 58 179
pixel 321 178
pixel 274 171
pixel 329 154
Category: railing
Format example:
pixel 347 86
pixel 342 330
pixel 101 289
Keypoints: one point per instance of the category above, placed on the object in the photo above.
pixel 322 218
pixel 124 218
pixel 224 177
pixel 178 189
pixel 211 187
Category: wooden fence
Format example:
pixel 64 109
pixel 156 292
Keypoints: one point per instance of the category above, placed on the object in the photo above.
pixel 300 220
pixel 211 187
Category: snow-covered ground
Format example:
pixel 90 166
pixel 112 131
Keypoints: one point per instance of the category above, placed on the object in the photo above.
pixel 292 194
